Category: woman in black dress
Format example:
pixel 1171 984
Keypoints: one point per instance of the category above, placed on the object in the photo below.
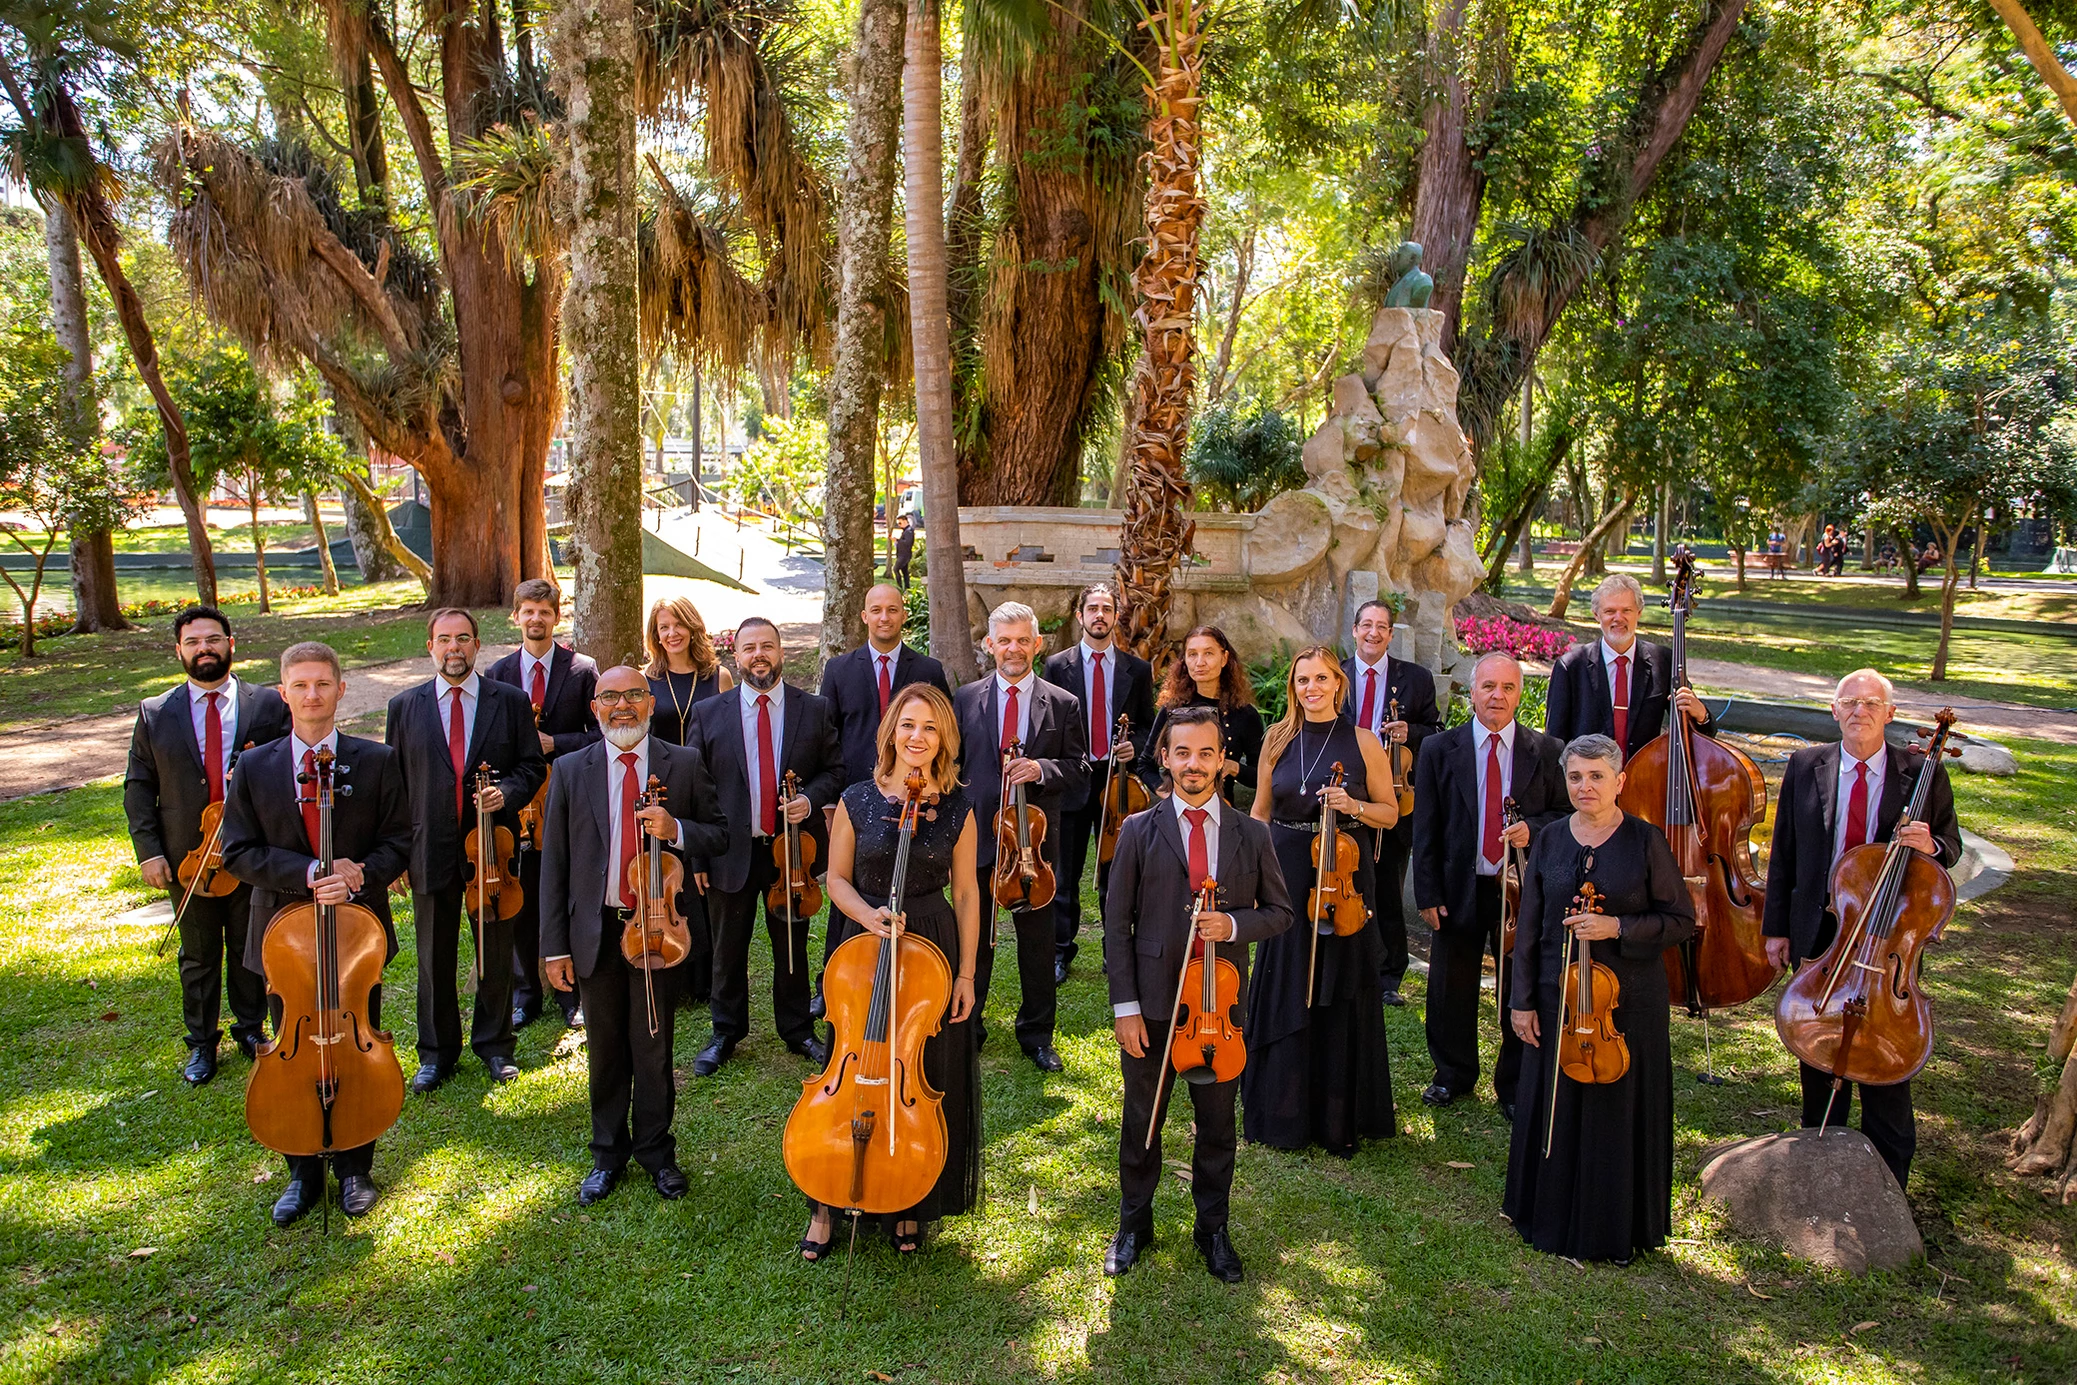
pixel 683 669
pixel 1210 674
pixel 1318 1074
pixel 1605 1190
pixel 919 732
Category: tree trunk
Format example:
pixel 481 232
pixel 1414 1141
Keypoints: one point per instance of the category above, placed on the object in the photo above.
pixel 2040 53
pixel 1739 555
pixel 324 542
pixel 259 546
pixel 27 644
pixel 1450 186
pixel 1660 525
pixel 1950 585
pixel 378 520
pixel 96 606
pixel 1158 531
pixel 1910 562
pixel 1868 549
pixel 1128 428
pixel 1561 599
pixel 964 221
pixel 2047 1143
pixel 1976 550
pixel 865 217
pixel 593 43
pixel 699 440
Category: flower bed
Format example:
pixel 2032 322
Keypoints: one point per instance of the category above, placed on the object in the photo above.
pixel 1485 634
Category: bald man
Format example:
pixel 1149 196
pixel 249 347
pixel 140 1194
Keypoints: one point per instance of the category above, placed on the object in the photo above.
pixel 859 682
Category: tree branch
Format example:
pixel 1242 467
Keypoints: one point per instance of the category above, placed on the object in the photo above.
pixel 2040 53
pixel 418 126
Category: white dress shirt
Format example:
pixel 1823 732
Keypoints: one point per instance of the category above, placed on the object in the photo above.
pixel 1877 764
pixel 750 757
pixel 1211 856
pixel 472 688
pixel 298 748
pixel 1479 737
pixel 1109 668
pixel 227 713
pixel 528 663
pixel 1378 714
pixel 1025 687
pixel 877 659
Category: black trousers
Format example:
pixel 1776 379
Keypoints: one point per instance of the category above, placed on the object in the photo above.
pixel 1076 829
pixel 1388 905
pixel 310 1168
pixel 527 984
pixel 733 916
pixel 1139 1166
pixel 1456 958
pixel 1886 1116
pixel 212 961
pixel 1035 931
pixel 438 925
pixel 634 1091
pixel 901 573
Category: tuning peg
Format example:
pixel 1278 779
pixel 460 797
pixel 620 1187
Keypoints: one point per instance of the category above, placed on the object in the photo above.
pixel 1953 750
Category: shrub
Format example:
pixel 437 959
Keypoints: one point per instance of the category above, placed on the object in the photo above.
pixel 1483 635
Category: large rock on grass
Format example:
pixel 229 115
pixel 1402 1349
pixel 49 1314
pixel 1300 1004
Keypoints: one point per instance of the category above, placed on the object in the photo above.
pixel 1831 1201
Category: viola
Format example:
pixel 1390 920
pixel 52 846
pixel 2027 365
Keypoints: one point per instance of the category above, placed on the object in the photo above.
pixel 1023 880
pixel 490 867
pixel 1207 1046
pixel 1591 1050
pixel 868 1134
pixel 329 1080
pixel 794 895
pixel 536 809
pixel 1706 797
pixel 1399 768
pixel 1858 1011
pixel 655 935
pixel 1122 797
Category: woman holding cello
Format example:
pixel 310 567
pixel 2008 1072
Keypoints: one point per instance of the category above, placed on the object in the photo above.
pixel 1210 674
pixel 918 735
pixel 1318 1069
pixel 1590 1170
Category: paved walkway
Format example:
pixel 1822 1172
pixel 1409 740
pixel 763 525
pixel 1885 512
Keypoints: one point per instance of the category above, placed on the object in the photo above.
pixel 1979 717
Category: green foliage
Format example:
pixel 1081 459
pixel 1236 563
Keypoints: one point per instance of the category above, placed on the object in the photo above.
pixel 239 432
pixel 784 469
pixel 1241 458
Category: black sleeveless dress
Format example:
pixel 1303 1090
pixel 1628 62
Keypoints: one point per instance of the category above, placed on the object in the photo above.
pixel 951 1062
pixel 1320 1074
pixel 676 695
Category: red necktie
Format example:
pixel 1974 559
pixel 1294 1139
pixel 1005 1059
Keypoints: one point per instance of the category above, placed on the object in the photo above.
pixel 1857 808
pixel 1099 714
pixel 1200 863
pixel 1009 718
pixel 630 830
pixel 306 795
pixel 886 686
pixel 1622 703
pixel 457 750
pixel 1489 839
pixel 538 692
pixel 1369 723
pixel 768 786
pixel 213 747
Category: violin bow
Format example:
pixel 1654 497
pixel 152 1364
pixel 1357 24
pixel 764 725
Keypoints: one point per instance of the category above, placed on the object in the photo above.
pixel 1168 1031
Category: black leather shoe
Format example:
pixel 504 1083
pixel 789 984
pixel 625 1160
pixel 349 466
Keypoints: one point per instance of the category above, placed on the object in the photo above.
pixel 670 1182
pixel 521 1019
pixel 1220 1258
pixel 1060 970
pixel 1044 1058
pixel 201 1066
pixel 1507 1110
pixel 1435 1094
pixel 596 1185
pixel 717 1052
pixel 357 1195
pixel 429 1077
pixel 817 1006
pixel 812 1049
pixel 250 1047
pixel 296 1200
pixel 1125 1250
pixel 1394 999
pixel 501 1069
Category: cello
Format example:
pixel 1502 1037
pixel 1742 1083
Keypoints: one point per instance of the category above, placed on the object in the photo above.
pixel 1858 1012
pixel 654 936
pixel 328 1080
pixel 490 866
pixel 1335 903
pixel 1023 880
pixel 1590 1049
pixel 868 1134
pixel 1123 796
pixel 794 894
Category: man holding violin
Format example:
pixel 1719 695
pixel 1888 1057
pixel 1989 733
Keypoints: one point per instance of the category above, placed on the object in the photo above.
pixel 180 763
pixel 1165 857
pixel 1834 797
pixel 591 840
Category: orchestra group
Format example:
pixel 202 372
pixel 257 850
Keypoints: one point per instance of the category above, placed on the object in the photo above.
pixel 606 838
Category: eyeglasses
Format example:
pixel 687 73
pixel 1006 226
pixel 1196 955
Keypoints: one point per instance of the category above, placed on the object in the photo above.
pixel 616 698
pixel 1860 704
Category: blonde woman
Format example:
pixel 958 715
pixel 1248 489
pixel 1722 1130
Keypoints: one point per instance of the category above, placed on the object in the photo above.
pixel 918 733
pixel 683 669
pixel 1319 1074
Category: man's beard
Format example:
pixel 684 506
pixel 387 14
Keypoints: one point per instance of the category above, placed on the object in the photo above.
pixel 627 737
pixel 764 682
pixel 447 665
pixel 208 667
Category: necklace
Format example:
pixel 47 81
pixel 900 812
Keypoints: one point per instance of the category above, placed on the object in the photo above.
pixel 677 706
pixel 1305 766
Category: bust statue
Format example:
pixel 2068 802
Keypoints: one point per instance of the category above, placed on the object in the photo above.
pixel 1411 285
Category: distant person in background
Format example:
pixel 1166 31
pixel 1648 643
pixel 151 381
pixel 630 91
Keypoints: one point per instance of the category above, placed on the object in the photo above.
pixel 1931 557
pixel 904 550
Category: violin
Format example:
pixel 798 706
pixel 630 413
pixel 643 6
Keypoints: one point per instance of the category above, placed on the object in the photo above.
pixel 536 809
pixel 1023 880
pixel 1858 1012
pixel 201 871
pixel 1510 905
pixel 868 1134
pixel 1125 795
pixel 794 895
pixel 654 936
pixel 1706 797
pixel 1399 768
pixel 328 1080
pixel 1207 1045
pixel 1336 905
pixel 490 866
pixel 1591 1050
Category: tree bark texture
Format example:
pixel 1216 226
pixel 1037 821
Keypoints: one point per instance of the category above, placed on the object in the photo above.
pixel 2047 1143
pixel 1158 530
pixel 593 42
pixel 371 511
pixel 1450 185
pixel 2041 53
pixel 324 543
pixel 1561 599
pixel 96 606
pixel 865 216
pixel 965 230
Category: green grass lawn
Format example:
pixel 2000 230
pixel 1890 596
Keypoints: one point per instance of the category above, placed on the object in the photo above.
pixel 1393 1266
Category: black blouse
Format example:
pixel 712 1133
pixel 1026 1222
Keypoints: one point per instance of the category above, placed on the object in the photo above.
pixel 1243 743
pixel 1640 888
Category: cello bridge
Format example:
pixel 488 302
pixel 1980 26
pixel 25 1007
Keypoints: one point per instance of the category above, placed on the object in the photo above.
pixel 326 1038
pixel 870 1081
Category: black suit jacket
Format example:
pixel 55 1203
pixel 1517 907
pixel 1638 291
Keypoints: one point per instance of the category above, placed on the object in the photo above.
pixel 1446 824
pixel 1132 693
pixel 502 737
pixel 1053 737
pixel 851 684
pixel 1581 702
pixel 164 789
pixel 808 746
pixel 1414 687
pixel 266 847
pixel 1799 864
pixel 566 715
pixel 1147 908
pixel 577 842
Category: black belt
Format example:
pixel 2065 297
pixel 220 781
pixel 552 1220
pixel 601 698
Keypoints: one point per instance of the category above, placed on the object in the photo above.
pixel 1312 826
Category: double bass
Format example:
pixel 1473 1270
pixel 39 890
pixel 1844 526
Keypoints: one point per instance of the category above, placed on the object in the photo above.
pixel 654 936
pixel 1858 1012
pixel 1123 796
pixel 1023 880
pixel 1335 901
pixel 490 866
pixel 794 895
pixel 1590 1049
pixel 1205 1044
pixel 868 1134
pixel 328 1080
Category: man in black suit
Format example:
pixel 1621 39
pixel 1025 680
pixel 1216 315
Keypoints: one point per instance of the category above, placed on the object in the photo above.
pixel 1015 704
pixel 1109 681
pixel 270 831
pixel 750 739
pixel 1834 797
pixel 181 755
pixel 1394 699
pixel 558 683
pixel 443 730
pixel 594 830
pixel 1464 777
pixel 904 550
pixel 858 682
pixel 1164 857
pixel 1618 686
